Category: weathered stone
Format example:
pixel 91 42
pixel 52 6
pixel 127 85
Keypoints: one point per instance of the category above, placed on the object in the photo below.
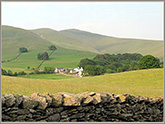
pixel 21 117
pixel 18 99
pixel 71 100
pixel 57 100
pixel 55 117
pixel 29 103
pixel 48 98
pixel 50 111
pixel 97 98
pixel 41 100
pixel 84 95
pixel 122 97
pixel 88 100
pixel 9 100
pixel 22 111
pixel 79 115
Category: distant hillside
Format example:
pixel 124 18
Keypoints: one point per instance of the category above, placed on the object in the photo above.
pixel 82 40
pixel 14 38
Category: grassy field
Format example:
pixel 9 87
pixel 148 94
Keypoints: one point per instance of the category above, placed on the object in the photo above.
pixel 60 58
pixel 46 76
pixel 142 82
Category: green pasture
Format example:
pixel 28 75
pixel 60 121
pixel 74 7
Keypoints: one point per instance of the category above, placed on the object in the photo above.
pixel 60 58
pixel 141 82
pixel 46 76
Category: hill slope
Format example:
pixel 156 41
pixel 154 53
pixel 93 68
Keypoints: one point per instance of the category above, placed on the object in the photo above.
pixel 82 40
pixel 40 39
pixel 142 82
pixel 14 38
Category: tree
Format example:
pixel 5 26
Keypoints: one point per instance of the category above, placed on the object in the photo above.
pixel 23 50
pixel 10 73
pixel 43 56
pixel 28 67
pixel 148 61
pixel 4 72
pixel 85 62
pixel 52 47
pixel 93 70
pixel 49 70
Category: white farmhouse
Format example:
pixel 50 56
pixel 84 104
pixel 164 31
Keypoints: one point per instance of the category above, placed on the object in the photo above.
pixel 79 70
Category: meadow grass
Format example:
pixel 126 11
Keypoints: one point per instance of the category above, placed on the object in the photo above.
pixel 141 82
pixel 46 76
pixel 60 58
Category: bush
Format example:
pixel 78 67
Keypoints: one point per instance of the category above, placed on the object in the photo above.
pixel 148 61
pixel 4 72
pixel 10 73
pixel 28 67
pixel 21 73
pixel 52 47
pixel 43 56
pixel 110 71
pixel 23 50
pixel 49 70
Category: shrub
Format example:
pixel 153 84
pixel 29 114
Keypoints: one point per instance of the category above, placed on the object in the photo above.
pixel 10 73
pixel 52 47
pixel 148 61
pixel 43 56
pixel 23 50
pixel 49 70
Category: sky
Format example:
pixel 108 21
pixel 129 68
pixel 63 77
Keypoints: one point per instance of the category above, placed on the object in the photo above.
pixel 141 20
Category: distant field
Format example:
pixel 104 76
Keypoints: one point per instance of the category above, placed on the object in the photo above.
pixel 46 76
pixel 60 58
pixel 142 82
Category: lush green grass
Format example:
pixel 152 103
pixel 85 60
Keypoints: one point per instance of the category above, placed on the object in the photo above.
pixel 142 82
pixel 46 76
pixel 60 58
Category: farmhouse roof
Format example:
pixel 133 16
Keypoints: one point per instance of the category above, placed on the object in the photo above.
pixel 60 68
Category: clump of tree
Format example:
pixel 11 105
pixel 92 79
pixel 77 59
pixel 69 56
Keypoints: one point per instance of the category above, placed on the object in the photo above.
pixel 52 47
pixel 93 70
pixel 148 61
pixel 23 50
pixel 49 70
pixel 10 73
pixel 112 63
pixel 43 56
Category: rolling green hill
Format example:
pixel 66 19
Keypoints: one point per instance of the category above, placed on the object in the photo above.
pixel 39 39
pixel 86 41
pixel 14 38
pixel 141 82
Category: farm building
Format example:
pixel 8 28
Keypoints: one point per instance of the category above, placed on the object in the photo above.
pixel 59 69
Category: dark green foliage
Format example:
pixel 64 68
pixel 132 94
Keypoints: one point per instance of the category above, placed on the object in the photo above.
pixel 148 61
pixel 49 70
pixel 10 73
pixel 4 72
pixel 21 73
pixel 85 62
pixel 28 67
pixel 52 47
pixel 161 64
pixel 43 56
pixel 15 74
pixel 93 70
pixel 114 63
pixel 23 50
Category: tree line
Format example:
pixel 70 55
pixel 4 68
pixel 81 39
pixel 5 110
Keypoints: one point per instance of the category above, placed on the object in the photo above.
pixel 111 63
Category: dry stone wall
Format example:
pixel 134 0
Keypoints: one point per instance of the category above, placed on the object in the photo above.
pixel 84 107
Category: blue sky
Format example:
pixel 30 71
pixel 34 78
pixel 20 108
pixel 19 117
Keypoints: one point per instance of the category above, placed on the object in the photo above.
pixel 143 20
